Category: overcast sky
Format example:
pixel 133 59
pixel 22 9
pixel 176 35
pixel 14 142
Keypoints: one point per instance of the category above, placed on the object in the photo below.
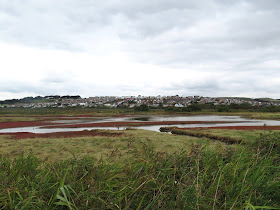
pixel 140 47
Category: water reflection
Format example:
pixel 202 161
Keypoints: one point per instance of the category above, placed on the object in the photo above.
pixel 141 119
pixel 238 121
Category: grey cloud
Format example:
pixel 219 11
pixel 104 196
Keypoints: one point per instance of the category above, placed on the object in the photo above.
pixel 16 88
pixel 52 80
pixel 190 86
pixel 39 88
pixel 61 24
pixel 237 31
pixel 53 76
pixel 232 36
pixel 250 84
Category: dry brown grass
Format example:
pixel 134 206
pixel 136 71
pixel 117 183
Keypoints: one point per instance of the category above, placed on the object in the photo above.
pixel 115 148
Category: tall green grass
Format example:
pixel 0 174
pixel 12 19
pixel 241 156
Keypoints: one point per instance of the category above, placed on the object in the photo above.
pixel 225 139
pixel 245 177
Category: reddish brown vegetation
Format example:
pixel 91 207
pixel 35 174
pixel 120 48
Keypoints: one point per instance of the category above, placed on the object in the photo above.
pixel 22 124
pixel 238 128
pixel 62 118
pixel 49 116
pixel 121 115
pixel 25 135
pixel 81 116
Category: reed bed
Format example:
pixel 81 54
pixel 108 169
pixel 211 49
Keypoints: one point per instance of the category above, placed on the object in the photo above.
pixel 225 139
pixel 241 177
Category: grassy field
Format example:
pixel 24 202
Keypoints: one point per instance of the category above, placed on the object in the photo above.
pixel 18 119
pixel 70 111
pixel 139 169
pixel 29 114
pixel 248 136
pixel 113 148
pixel 200 177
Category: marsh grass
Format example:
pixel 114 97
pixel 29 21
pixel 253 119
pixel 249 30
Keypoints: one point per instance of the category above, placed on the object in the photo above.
pixel 247 136
pixel 120 147
pixel 203 178
pixel 71 111
pixel 139 170
pixel 225 139
pixel 18 119
pixel 26 114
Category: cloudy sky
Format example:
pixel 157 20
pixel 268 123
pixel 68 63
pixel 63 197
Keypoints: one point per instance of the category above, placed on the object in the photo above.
pixel 140 47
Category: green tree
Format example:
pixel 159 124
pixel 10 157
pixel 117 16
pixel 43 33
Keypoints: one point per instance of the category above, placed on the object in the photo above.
pixel 142 107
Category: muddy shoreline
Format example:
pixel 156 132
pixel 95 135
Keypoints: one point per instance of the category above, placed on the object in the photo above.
pixel 237 128
pixel 69 134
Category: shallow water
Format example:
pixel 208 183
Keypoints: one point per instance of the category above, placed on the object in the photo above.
pixel 238 121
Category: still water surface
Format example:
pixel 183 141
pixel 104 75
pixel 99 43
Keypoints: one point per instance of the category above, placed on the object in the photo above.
pixel 238 121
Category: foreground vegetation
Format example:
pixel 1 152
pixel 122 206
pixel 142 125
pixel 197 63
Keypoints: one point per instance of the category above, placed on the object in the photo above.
pixel 113 148
pixel 140 169
pixel 199 177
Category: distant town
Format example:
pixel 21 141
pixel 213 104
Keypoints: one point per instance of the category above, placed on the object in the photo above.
pixel 130 101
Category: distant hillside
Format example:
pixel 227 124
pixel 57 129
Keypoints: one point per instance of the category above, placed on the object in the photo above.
pixel 239 98
pixel 267 100
pixel 38 99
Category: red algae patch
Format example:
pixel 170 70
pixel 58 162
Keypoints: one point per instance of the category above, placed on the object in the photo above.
pixel 63 118
pixel 122 115
pixel 25 135
pixel 22 124
pixel 119 124
pixel 237 128
pixel 82 116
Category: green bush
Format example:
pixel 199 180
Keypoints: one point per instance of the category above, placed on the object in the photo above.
pixel 142 107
